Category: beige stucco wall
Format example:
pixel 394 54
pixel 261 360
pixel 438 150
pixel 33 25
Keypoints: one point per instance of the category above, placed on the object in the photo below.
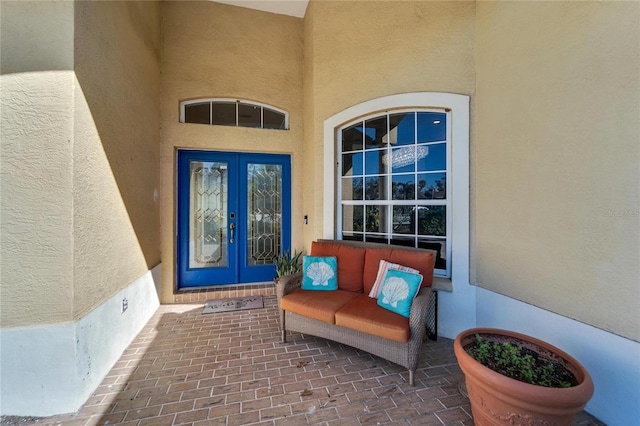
pixel 116 221
pixel 357 51
pixel 217 50
pixel 554 161
pixel 80 126
pixel 557 165
pixel 36 143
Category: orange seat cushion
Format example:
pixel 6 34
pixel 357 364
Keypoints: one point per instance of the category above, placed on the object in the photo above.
pixel 422 260
pixel 320 305
pixel 350 263
pixel 364 314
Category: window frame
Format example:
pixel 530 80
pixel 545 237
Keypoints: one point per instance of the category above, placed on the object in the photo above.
pixel 237 102
pixel 388 201
pixel 459 185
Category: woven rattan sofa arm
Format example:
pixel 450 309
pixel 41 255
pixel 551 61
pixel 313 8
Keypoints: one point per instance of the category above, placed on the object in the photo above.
pixel 419 310
pixel 288 284
pixel 418 325
pixel 285 285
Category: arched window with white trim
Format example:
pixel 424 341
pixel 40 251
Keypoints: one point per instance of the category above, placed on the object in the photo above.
pixel 400 164
pixel 233 112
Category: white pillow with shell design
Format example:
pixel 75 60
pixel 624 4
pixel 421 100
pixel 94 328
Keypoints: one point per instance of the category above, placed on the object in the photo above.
pixel 382 271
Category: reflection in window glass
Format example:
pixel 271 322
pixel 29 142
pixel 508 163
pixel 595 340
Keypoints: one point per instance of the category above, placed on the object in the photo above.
pixel 432 186
pixel 439 245
pixel 273 120
pixel 373 238
pixel 352 164
pixel 435 159
pixel 432 220
pixel 352 189
pixel 404 159
pixel 375 162
pixel 351 236
pixel 197 113
pixel 249 116
pixel 404 220
pixel 432 127
pixel 398 240
pixel 375 188
pixel 375 219
pixel 375 132
pixel 223 114
pixel 352 138
pixel 403 187
pixel 402 129
pixel 353 218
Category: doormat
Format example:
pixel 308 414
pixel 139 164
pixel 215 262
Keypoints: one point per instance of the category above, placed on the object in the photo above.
pixel 232 304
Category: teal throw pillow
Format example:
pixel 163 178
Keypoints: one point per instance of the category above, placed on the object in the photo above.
pixel 319 273
pixel 398 290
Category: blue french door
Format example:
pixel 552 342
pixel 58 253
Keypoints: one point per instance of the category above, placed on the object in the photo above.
pixel 234 216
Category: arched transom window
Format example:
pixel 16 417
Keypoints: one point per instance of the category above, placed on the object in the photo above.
pixel 233 112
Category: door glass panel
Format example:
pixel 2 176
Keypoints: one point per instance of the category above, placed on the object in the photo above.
pixel 208 214
pixel 264 213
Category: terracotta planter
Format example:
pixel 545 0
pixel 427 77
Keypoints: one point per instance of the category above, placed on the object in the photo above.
pixel 499 400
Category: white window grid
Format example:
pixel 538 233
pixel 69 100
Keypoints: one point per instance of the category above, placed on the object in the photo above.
pixel 388 202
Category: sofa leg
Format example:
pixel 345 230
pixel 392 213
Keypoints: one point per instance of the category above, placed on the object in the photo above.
pixel 412 379
pixel 282 325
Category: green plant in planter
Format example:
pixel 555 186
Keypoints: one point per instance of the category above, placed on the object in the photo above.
pixel 498 399
pixel 519 363
pixel 287 264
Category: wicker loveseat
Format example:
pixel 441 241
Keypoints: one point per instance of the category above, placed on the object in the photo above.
pixel 348 315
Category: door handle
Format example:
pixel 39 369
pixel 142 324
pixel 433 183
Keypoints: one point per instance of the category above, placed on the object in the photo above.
pixel 232 229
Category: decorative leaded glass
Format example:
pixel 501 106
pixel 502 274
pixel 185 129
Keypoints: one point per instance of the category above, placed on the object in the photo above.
pixel 264 205
pixel 208 215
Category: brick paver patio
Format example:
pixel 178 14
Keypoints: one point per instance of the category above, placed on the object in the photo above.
pixel 186 368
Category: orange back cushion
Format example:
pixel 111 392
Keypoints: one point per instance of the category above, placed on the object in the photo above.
pixel 423 261
pixel 350 263
pixel 372 260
